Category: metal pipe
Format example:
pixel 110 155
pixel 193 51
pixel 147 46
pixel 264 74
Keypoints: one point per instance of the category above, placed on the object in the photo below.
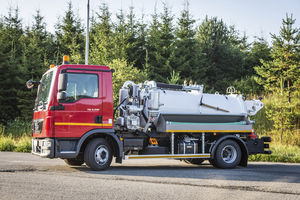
pixel 87 34
pixel 172 143
pixel 152 84
pixel 125 85
pixel 203 143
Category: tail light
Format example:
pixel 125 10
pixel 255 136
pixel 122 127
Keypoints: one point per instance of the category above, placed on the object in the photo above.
pixel 252 135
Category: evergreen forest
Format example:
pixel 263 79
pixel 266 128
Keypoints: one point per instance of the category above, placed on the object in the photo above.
pixel 167 49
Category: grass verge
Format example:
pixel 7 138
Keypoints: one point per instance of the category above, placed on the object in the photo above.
pixel 7 143
pixel 22 144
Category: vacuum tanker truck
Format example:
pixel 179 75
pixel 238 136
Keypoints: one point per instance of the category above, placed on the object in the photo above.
pixel 74 119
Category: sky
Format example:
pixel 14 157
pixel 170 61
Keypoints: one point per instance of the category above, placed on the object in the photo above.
pixel 252 17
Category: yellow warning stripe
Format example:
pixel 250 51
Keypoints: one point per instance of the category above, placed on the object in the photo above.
pixel 175 156
pixel 208 131
pixel 80 124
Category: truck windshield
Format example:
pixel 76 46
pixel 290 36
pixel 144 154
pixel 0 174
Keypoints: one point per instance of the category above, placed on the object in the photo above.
pixel 44 91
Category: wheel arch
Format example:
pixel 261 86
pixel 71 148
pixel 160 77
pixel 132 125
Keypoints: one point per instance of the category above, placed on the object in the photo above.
pixel 240 142
pixel 109 135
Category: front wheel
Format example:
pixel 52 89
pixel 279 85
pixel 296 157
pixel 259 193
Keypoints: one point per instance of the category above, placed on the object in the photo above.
pixel 228 155
pixel 98 154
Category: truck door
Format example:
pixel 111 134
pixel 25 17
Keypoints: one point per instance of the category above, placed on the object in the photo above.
pixel 81 109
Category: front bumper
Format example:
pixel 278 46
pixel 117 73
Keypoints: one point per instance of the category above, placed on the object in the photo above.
pixel 43 147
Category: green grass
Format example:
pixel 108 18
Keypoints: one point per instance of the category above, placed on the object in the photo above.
pixel 7 143
pixel 15 136
pixel 22 144
pixel 280 153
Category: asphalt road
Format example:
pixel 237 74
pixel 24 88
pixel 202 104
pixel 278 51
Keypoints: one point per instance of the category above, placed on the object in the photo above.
pixel 25 176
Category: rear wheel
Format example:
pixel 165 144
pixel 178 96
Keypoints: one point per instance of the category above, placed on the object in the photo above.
pixel 195 161
pixel 74 161
pixel 98 154
pixel 228 155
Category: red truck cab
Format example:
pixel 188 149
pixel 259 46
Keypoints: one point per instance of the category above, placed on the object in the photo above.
pixel 74 102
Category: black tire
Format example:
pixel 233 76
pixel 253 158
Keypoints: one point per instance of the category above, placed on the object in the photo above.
pixel 74 161
pixel 195 161
pixel 212 162
pixel 98 154
pixel 228 155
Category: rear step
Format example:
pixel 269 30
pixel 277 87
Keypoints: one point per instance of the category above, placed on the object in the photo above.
pixel 167 156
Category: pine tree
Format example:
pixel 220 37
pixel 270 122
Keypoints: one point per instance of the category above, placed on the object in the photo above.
pixel 10 66
pixel 283 70
pixel 102 38
pixel 137 40
pixel 38 53
pixel 6 98
pixel 280 77
pixel 152 46
pixel 223 60
pixel 70 39
pixel 160 48
pixel 187 62
pixel 121 44
pixel 258 51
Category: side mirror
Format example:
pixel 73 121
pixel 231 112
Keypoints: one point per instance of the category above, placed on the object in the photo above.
pixel 30 84
pixel 62 82
pixel 62 87
pixel 61 96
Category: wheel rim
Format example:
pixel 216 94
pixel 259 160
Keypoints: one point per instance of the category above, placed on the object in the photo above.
pixel 101 155
pixel 229 154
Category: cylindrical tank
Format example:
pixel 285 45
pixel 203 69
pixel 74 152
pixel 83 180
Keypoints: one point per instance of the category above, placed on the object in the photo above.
pixel 158 103
pixel 194 106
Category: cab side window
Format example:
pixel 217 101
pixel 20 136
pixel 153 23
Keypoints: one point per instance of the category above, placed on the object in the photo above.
pixel 81 86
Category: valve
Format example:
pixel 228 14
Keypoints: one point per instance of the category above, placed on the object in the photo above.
pixel 231 90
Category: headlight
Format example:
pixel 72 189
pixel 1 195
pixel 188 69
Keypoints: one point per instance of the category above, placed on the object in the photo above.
pixel 46 143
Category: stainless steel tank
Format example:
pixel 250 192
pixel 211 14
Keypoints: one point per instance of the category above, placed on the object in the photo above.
pixel 151 104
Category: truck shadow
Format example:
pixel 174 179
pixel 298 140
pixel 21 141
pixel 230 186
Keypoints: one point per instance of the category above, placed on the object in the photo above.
pixel 254 172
